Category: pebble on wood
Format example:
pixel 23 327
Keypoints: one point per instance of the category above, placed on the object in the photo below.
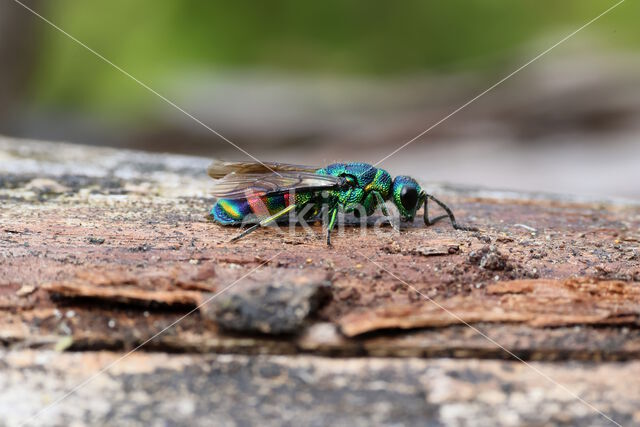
pixel 272 308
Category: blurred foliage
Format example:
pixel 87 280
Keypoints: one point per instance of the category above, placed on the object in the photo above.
pixel 160 40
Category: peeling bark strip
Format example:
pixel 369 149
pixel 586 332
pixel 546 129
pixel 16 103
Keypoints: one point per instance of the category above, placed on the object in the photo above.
pixel 169 286
pixel 103 248
pixel 534 302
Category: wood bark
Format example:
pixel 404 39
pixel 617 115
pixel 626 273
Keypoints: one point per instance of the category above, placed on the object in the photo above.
pixel 102 249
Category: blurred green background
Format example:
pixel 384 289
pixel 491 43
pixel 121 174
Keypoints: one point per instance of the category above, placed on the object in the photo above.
pixel 318 81
pixel 159 41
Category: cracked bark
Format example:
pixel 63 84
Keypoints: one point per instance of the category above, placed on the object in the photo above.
pixel 102 248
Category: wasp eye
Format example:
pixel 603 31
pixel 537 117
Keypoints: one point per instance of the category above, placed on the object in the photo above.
pixel 409 197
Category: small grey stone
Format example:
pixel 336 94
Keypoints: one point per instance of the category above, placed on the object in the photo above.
pixel 272 308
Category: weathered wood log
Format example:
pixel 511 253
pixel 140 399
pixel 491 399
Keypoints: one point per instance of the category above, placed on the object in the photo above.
pixel 157 388
pixel 104 249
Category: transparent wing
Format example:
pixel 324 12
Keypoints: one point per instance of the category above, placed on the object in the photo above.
pixel 219 168
pixel 234 185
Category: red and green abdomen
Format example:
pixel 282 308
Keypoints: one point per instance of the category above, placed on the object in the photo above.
pixel 255 207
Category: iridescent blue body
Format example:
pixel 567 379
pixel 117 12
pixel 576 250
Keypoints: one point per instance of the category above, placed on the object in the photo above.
pixel 249 194
pixel 367 180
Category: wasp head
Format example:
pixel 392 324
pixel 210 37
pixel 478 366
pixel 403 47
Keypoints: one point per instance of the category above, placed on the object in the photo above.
pixel 407 196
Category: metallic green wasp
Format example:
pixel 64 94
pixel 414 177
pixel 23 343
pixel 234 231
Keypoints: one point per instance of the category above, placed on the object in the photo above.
pixel 262 193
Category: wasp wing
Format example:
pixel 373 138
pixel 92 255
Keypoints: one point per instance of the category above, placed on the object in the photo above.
pixel 236 186
pixel 219 168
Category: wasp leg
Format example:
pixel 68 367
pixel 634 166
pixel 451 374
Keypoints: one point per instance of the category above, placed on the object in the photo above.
pixel 333 215
pixel 449 214
pixel 264 222
pixel 385 211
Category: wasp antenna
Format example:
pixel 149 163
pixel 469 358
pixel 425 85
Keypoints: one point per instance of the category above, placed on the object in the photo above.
pixel 425 216
pixel 446 208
